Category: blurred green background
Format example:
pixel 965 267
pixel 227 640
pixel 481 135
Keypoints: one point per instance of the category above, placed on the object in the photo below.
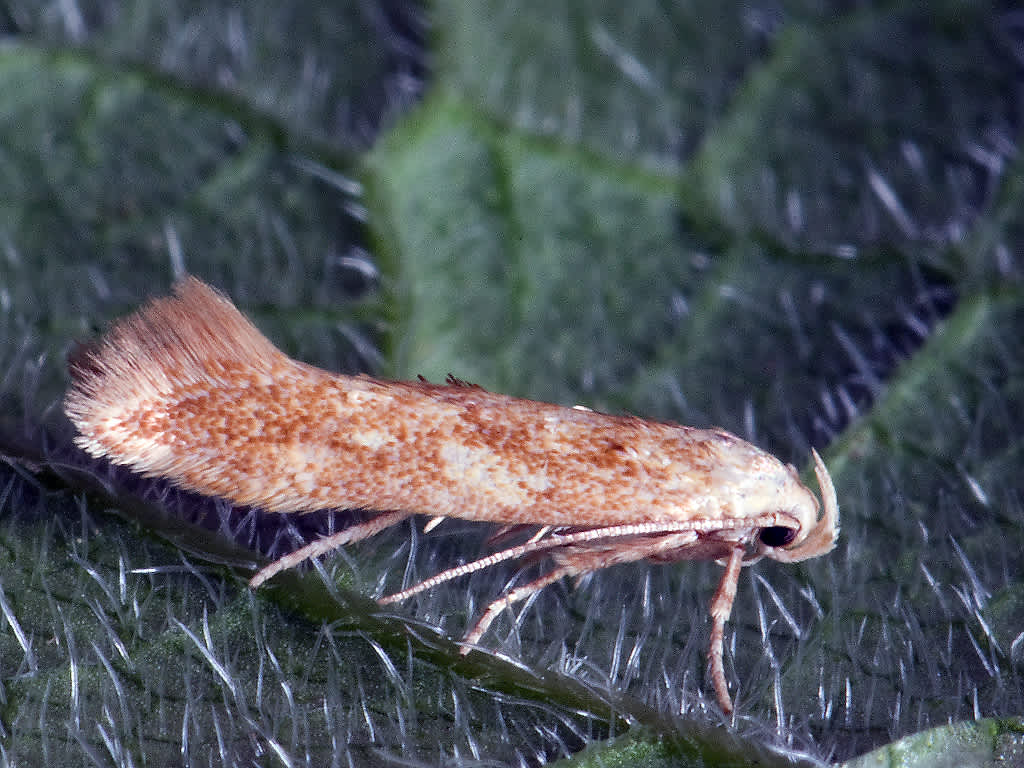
pixel 798 221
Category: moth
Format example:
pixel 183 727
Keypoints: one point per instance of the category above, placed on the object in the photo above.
pixel 188 389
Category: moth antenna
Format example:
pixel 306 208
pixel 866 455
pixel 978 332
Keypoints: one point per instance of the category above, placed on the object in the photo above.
pixel 506 532
pixel 552 542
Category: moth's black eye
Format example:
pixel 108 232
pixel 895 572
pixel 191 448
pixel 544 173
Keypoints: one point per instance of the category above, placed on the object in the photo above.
pixel 777 536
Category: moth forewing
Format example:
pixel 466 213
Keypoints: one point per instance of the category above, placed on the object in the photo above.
pixel 188 389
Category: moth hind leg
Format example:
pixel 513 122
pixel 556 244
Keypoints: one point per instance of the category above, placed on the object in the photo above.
pixel 327 544
pixel 506 600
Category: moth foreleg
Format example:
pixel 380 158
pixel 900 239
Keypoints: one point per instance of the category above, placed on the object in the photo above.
pixel 721 607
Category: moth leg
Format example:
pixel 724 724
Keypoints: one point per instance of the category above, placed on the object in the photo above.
pixel 327 544
pixel 506 600
pixel 721 607
pixel 581 559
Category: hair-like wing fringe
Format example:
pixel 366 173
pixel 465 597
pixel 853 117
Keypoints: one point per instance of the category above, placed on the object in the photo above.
pixel 196 335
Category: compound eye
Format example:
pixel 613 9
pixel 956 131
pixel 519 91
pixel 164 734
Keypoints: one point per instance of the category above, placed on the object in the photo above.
pixel 777 536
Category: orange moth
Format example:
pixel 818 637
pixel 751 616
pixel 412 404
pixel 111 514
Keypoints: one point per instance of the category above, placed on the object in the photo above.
pixel 188 389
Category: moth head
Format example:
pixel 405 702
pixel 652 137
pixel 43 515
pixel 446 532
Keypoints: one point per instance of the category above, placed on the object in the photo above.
pixel 808 535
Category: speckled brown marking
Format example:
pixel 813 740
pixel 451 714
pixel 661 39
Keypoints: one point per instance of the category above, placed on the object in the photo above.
pixel 188 389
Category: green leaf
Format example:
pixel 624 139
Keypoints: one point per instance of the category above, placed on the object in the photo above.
pixel 796 222
pixel 980 744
